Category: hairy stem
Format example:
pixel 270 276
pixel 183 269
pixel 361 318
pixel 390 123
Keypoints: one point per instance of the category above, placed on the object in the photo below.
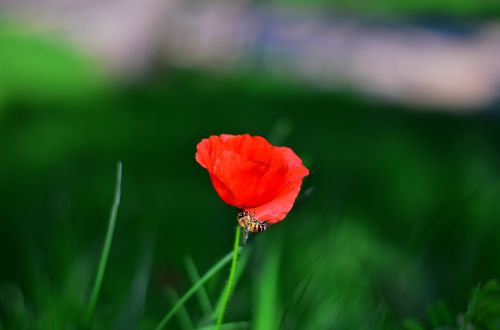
pixel 230 281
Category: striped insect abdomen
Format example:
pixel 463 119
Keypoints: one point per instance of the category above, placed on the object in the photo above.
pixel 257 226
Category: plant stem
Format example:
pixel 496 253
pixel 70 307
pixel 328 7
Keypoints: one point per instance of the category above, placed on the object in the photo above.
pixel 208 275
pixel 230 281
pixel 105 250
pixel 242 262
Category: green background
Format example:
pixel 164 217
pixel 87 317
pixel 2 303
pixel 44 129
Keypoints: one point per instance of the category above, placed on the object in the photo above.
pixel 396 225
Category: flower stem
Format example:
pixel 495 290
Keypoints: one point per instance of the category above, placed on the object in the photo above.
pixel 230 281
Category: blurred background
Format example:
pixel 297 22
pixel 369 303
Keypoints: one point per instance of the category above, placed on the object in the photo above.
pixel 393 106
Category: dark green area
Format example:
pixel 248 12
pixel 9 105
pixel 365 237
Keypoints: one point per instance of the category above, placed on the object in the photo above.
pixel 397 223
pixel 450 9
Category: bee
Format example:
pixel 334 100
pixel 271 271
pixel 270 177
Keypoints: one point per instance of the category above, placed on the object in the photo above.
pixel 249 224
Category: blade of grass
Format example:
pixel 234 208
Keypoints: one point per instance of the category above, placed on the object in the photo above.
pixel 208 275
pixel 297 296
pixel 229 326
pixel 471 308
pixel 242 262
pixel 230 281
pixel 266 302
pixel 134 310
pixel 105 250
pixel 194 276
pixel 183 316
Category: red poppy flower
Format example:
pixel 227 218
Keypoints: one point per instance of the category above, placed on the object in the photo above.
pixel 251 174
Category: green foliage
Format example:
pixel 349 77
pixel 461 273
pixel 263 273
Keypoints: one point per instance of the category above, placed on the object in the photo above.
pixel 482 312
pixel 412 325
pixel 484 308
pixel 395 225
pixel 457 8
pixel 439 314
pixel 41 67
pixel 266 309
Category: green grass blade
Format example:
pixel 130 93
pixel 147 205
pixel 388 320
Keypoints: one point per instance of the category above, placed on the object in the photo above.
pixel 208 275
pixel 242 263
pixel 297 296
pixel 105 250
pixel 471 308
pixel 133 311
pixel 229 326
pixel 184 319
pixel 194 276
pixel 266 302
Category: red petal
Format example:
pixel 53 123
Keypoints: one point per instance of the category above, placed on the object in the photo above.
pixel 250 183
pixel 250 173
pixel 278 208
pixel 206 151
